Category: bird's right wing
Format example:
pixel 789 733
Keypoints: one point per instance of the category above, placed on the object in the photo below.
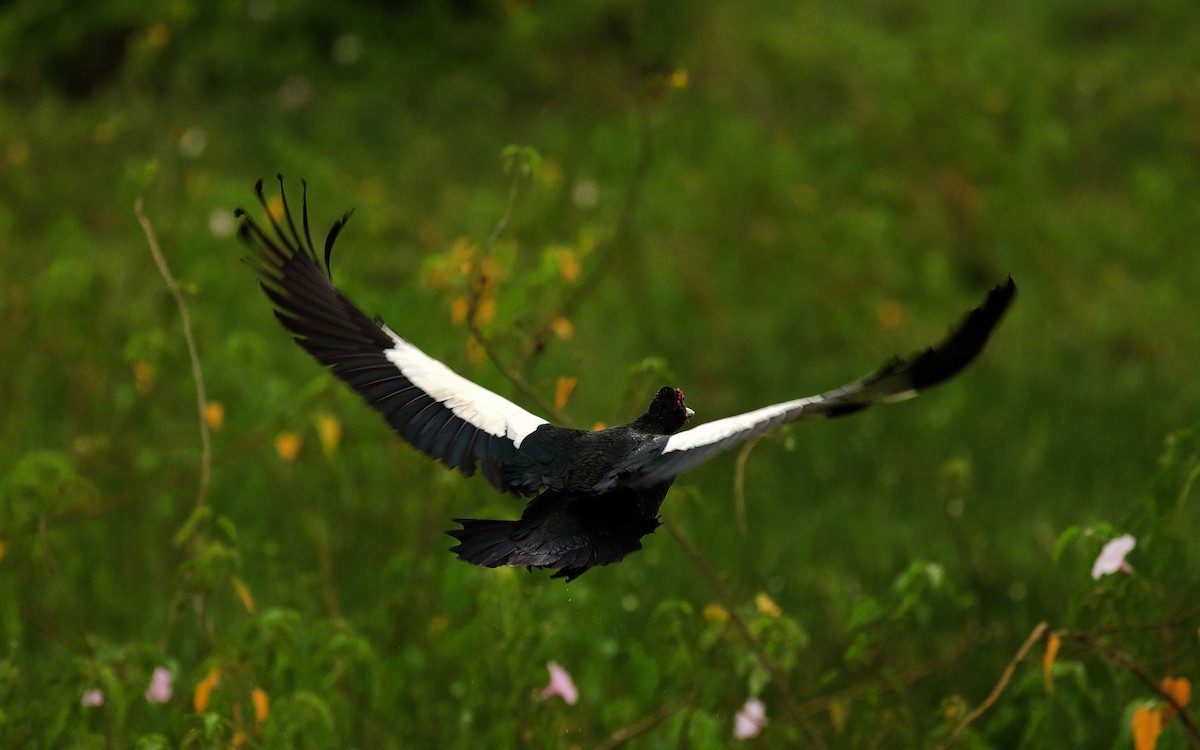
pixel 897 380
pixel 439 412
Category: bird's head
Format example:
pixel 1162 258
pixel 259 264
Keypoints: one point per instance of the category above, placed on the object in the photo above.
pixel 666 413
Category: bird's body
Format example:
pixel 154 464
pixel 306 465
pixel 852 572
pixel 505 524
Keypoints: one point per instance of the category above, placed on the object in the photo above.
pixel 593 494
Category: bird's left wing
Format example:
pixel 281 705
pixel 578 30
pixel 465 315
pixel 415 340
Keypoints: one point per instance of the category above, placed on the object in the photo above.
pixel 897 380
pixel 439 412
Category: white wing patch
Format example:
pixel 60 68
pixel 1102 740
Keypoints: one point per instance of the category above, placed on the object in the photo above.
pixel 472 403
pixel 718 430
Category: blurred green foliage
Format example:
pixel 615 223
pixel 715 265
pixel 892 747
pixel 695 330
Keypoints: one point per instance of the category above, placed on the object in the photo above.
pixel 752 201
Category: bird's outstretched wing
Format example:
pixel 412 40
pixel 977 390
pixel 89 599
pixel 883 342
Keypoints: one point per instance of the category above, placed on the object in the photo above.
pixel 441 413
pixel 897 380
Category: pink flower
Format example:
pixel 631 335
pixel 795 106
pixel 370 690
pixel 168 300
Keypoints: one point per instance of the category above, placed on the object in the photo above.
pixel 93 698
pixel 1112 557
pixel 561 684
pixel 750 719
pixel 159 690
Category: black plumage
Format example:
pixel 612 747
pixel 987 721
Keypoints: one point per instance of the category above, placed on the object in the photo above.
pixel 593 495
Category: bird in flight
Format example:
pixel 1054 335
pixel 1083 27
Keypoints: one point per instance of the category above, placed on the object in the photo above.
pixel 592 495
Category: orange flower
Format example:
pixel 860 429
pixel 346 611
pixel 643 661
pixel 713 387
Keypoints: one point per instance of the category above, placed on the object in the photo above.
pixel 287 445
pixel 1147 725
pixel 205 688
pixel 1052 644
pixel 243 593
pixel 562 391
pixel 1178 688
pixel 261 702
pixel 214 414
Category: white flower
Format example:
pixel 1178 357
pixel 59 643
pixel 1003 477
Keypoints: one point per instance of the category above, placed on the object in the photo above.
pixel 750 719
pixel 159 690
pixel 561 684
pixel 1112 557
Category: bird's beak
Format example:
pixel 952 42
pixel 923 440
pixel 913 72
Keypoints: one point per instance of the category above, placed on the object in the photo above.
pixel 688 414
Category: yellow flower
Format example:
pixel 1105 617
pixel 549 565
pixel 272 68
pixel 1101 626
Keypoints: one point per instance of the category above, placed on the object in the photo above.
pixel 204 689
pixel 568 263
pixel 329 430
pixel 214 414
pixel 890 315
pixel 463 253
pixel 562 328
pixel 491 270
pixel 679 78
pixel 485 310
pixel 476 354
pixel 287 445
pixel 158 36
pixel 458 310
pixel 767 605
pixel 716 614
pixel 562 391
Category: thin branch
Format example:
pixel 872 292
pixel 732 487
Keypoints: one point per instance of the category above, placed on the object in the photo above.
pixel 646 723
pixel 193 353
pixel 778 678
pixel 1002 683
pixel 512 374
pixel 515 377
pixel 910 677
pixel 739 484
pixel 1126 662
pixel 606 252
pixel 1086 637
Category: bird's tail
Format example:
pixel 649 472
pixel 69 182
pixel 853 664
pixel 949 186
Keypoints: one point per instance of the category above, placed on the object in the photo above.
pixel 484 542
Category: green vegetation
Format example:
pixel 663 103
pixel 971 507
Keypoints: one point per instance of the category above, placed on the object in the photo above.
pixel 752 201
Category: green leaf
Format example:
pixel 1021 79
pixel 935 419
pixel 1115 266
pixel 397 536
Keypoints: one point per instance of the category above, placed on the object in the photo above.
pixel 1064 540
